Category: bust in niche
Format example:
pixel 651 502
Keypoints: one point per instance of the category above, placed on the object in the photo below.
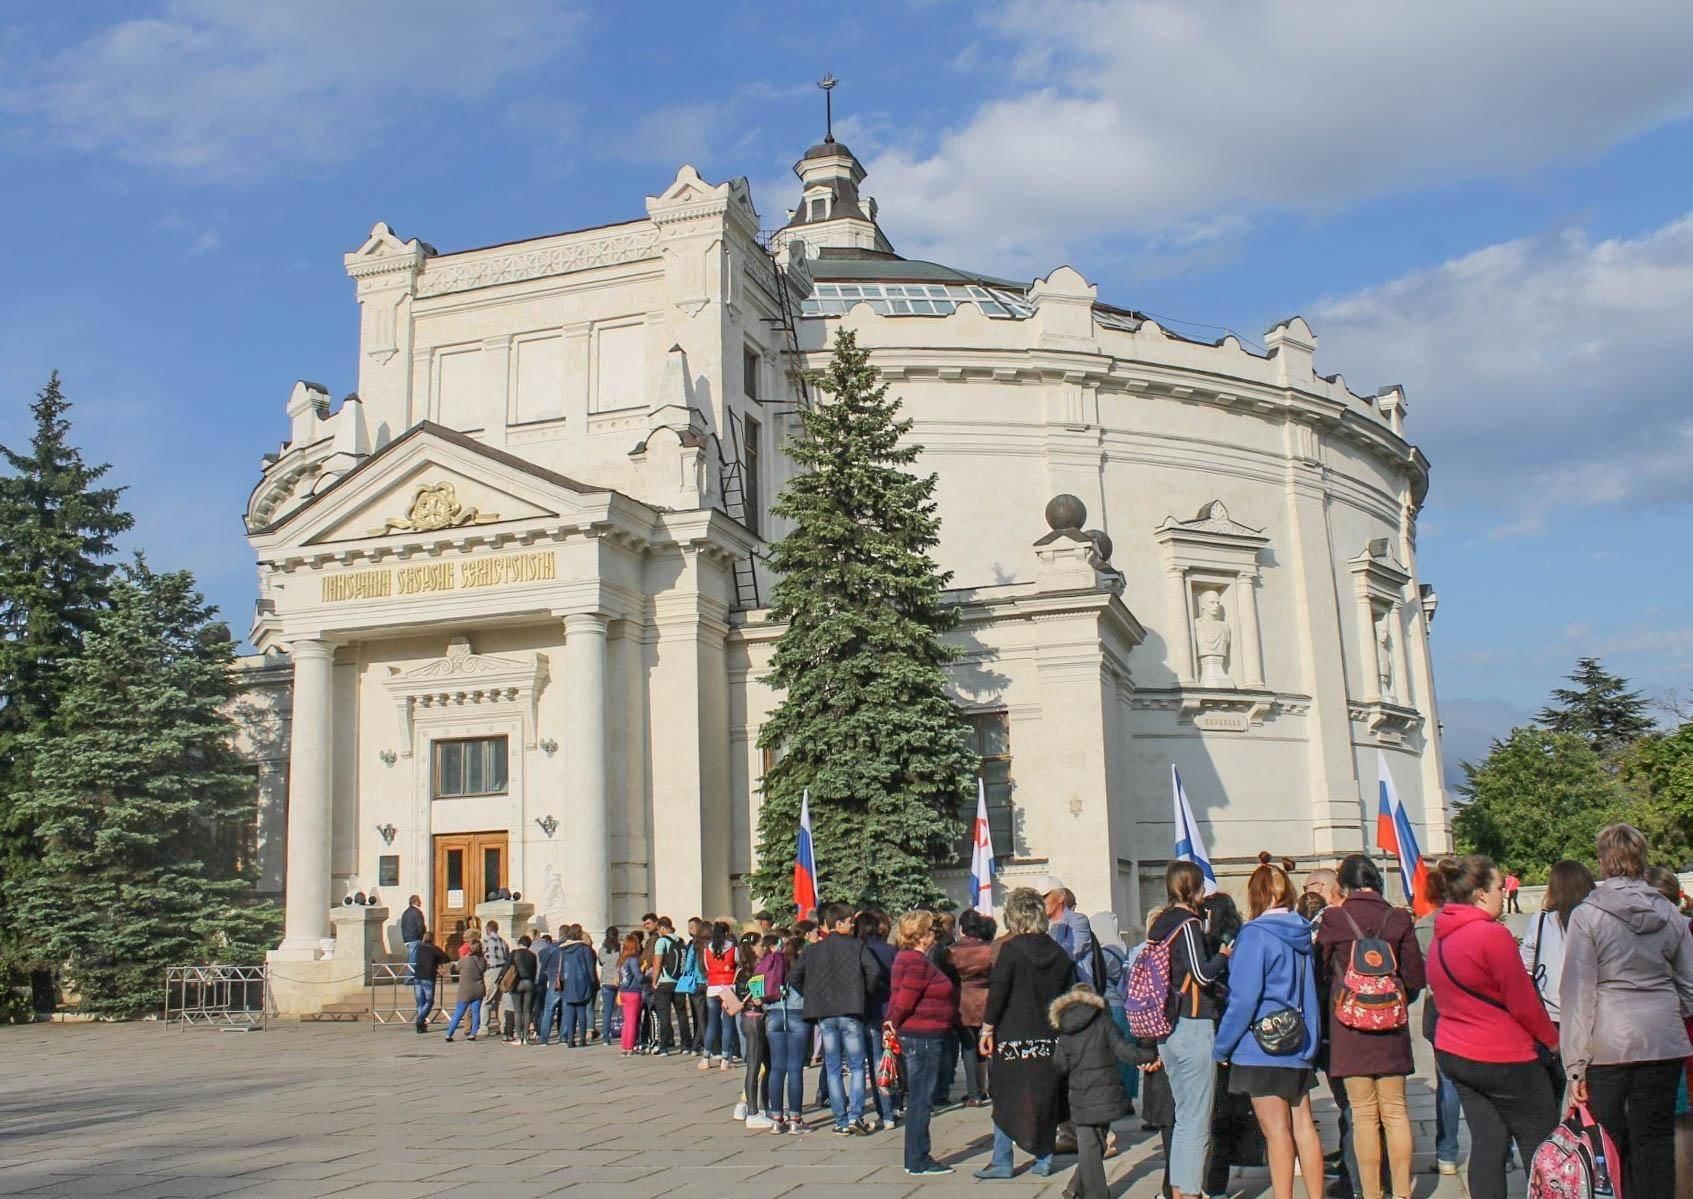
pixel 1211 635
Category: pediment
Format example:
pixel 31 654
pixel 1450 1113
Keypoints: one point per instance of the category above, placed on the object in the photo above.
pixel 432 485
pixel 430 498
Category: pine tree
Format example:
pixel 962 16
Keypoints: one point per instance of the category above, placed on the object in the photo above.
pixel 59 528
pixel 138 799
pixel 864 722
pixel 1600 708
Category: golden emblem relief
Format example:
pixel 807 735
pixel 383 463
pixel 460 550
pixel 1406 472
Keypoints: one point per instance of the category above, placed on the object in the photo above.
pixel 435 506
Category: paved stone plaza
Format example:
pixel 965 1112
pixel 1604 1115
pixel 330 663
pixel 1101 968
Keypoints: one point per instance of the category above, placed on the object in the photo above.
pixel 149 1112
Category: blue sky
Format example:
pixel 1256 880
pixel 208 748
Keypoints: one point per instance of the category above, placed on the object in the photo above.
pixel 1491 204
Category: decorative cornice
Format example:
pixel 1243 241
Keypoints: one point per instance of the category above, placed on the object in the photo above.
pixel 462 678
pixel 443 276
pixel 1389 723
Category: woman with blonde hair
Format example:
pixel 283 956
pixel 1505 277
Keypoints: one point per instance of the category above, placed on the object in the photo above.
pixel 1271 1028
pixel 1030 972
pixel 922 1006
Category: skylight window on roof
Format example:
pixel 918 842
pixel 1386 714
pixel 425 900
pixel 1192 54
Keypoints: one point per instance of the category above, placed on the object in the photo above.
pixel 914 299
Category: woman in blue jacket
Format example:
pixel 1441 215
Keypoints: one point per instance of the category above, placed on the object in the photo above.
pixel 1270 1029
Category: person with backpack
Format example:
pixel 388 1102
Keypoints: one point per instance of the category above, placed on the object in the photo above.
pixel 1373 969
pixel 1090 1052
pixel 1172 998
pixel 669 954
pixel 1271 1027
pixel 972 957
pixel 1626 991
pixel 1493 1039
pixel 694 984
pixel 1567 884
pixel 472 966
pixel 1113 963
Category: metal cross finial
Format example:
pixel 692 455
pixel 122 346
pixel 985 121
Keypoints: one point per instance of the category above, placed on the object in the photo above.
pixel 828 84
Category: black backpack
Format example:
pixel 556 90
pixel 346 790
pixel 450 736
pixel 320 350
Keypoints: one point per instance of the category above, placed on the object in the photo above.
pixel 670 964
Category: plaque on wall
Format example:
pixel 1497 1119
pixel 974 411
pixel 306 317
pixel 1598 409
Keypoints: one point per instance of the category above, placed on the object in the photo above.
pixel 455 899
pixel 388 870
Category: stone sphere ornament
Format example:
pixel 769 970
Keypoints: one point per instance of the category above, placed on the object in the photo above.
pixel 346 901
pixel 1065 512
pixel 513 896
pixel 360 900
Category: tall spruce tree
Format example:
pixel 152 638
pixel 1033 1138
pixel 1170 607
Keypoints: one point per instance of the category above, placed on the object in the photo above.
pixel 864 723
pixel 139 800
pixel 1601 709
pixel 57 533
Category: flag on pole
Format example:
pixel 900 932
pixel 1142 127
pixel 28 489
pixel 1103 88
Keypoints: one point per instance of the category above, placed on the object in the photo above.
pixel 981 854
pixel 1190 847
pixel 805 864
pixel 1395 834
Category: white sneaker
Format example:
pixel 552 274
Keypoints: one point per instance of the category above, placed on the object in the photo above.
pixel 740 1110
pixel 1441 1167
pixel 759 1120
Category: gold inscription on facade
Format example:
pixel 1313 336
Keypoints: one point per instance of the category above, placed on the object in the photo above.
pixel 358 584
pixel 509 568
pixel 499 570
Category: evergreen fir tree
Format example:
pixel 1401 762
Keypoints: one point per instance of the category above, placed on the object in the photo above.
pixel 59 527
pixel 864 722
pixel 1600 708
pixel 139 800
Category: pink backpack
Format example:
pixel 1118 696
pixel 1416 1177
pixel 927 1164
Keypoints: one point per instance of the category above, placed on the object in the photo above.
pixel 1576 1162
pixel 1146 990
pixel 1371 999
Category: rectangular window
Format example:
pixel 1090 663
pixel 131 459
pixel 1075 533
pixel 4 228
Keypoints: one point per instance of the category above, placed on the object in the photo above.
pixel 990 738
pixel 749 373
pixel 471 767
pixel 817 209
pixel 751 464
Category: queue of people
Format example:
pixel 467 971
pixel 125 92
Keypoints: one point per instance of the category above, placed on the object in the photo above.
pixel 1220 1026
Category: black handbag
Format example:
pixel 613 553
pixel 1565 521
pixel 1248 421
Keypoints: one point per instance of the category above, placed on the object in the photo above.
pixel 1282 1033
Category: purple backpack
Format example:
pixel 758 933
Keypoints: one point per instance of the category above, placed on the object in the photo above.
pixel 1146 991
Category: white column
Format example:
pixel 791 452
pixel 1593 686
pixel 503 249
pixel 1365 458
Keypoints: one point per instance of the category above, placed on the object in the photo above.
pixel 310 800
pixel 1251 649
pixel 1180 634
pixel 587 876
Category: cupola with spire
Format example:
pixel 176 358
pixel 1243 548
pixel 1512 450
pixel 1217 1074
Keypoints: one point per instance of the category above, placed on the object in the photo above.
pixel 831 212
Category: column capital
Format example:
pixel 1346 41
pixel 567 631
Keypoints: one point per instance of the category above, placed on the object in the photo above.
pixel 312 648
pixel 585 622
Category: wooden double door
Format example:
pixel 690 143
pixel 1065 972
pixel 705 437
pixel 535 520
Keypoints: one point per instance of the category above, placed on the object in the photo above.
pixel 467 867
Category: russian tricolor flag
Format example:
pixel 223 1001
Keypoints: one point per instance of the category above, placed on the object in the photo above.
pixel 981 854
pixel 1395 835
pixel 805 864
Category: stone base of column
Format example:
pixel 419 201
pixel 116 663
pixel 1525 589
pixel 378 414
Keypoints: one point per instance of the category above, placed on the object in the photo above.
pixel 297 949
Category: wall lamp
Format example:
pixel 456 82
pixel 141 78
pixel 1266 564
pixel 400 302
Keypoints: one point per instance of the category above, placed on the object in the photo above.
pixel 387 831
pixel 548 825
pixel 388 757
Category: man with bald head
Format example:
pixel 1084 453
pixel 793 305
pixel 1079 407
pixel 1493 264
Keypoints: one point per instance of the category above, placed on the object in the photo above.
pixel 1325 883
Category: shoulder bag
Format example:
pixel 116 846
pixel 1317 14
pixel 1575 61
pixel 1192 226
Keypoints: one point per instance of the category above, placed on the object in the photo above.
pixel 1282 1033
pixel 1543 1053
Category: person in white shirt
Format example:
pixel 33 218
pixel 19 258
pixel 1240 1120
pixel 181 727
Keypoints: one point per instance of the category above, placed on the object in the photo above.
pixel 1567 884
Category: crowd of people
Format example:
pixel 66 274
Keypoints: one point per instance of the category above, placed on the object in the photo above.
pixel 1220 1024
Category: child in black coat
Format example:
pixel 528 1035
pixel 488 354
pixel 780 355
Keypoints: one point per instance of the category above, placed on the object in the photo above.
pixel 1089 1048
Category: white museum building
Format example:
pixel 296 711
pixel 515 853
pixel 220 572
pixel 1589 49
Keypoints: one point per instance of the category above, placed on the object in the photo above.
pixel 511 630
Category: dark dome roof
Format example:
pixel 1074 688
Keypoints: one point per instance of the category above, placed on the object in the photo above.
pixel 824 149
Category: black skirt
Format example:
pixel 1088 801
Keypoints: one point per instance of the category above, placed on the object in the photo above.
pixel 1290 1083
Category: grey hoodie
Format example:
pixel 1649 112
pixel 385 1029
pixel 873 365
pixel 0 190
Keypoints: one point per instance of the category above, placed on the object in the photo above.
pixel 1628 979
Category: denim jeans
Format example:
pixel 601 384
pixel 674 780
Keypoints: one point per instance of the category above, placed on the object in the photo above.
pixel 608 1006
pixel 1186 1055
pixel 1447 1114
pixel 577 1022
pixel 922 1071
pixel 714 1042
pixel 969 1049
pixel 843 1040
pixel 551 1001
pixel 423 991
pixel 1004 1147
pixel 474 1008
pixel 790 1047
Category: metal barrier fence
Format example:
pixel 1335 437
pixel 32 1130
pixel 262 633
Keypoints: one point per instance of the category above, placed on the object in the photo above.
pixel 218 996
pixel 392 1000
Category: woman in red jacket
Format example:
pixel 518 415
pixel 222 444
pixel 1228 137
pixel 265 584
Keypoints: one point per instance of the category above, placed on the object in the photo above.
pixel 1494 1036
pixel 922 1006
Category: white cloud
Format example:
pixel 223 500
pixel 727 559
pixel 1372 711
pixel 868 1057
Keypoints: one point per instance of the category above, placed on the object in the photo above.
pixel 215 89
pixel 1542 374
pixel 1142 116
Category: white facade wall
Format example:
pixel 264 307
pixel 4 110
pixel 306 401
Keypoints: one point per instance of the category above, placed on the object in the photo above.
pixel 583 396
